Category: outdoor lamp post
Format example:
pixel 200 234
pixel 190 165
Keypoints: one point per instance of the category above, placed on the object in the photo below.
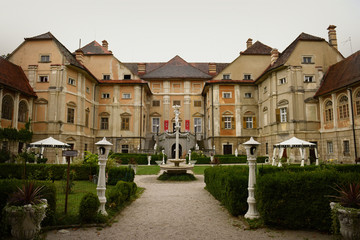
pixel 163 155
pixel 189 156
pixel 251 152
pixel 103 151
pixel 195 132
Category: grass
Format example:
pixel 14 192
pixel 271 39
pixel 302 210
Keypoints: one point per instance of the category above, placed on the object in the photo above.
pixel 147 170
pixel 200 169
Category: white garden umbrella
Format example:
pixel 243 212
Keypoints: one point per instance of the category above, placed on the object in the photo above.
pixel 49 142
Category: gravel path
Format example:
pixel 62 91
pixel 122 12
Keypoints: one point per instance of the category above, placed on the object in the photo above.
pixel 174 211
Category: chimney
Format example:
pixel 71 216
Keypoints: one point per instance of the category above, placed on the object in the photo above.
pixel 274 56
pixel 79 55
pixel 332 36
pixel 249 43
pixel 105 44
pixel 141 68
pixel 212 68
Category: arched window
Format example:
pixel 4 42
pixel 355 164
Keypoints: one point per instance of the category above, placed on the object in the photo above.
pixel 343 107
pixel 329 111
pixel 23 111
pixel 7 107
pixel 357 102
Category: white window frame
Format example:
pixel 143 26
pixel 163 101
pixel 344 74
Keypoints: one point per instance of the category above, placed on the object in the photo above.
pixel 249 122
pixel 227 122
pixel 305 60
pixel 283 114
pixel 282 81
pixel 43 77
pixel 198 124
pixel 309 79
pixel 104 125
pixel 155 121
pixel 247 76
pixel 248 95
pixel 330 147
pixel 346 147
pixel 45 58
pixel 126 95
pixel 106 77
pixel 105 95
pixel 226 76
pixel 71 81
pixel 125 148
pixel 226 95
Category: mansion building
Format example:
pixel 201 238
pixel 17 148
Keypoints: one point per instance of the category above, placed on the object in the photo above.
pixel 308 91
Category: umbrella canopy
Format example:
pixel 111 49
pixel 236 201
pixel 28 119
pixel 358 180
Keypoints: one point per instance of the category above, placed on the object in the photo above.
pixel 294 142
pixel 49 142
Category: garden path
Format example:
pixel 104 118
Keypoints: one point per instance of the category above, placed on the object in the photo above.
pixel 177 210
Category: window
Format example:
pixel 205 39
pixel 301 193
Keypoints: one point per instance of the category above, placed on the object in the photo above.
pixel 71 81
pixel 197 103
pixel 328 111
pixel 227 121
pixel 127 76
pixel 85 147
pixel 125 123
pixel 176 85
pixel 282 81
pixel 307 59
pixel 357 103
pixel 283 115
pixel 43 78
pixel 87 114
pixel 87 89
pixel 106 77
pixel 330 149
pixel 266 148
pixel 156 103
pixel 156 85
pixel 249 122
pixel 23 112
pixel 70 115
pixel 177 102
pixel 105 95
pixel 265 89
pixel 174 126
pixel 226 94
pixel 7 107
pixel 155 124
pixel 104 123
pixel 197 125
pixel 248 95
pixel 247 76
pixel 346 148
pixel 226 76
pixel 308 79
pixel 343 107
pixel 45 58
pixel 126 96
pixel 125 148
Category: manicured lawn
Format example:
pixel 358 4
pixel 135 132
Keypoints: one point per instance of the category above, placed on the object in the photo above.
pixel 200 169
pixel 147 170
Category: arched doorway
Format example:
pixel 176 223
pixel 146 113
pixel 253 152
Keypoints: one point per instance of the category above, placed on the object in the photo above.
pixel 173 151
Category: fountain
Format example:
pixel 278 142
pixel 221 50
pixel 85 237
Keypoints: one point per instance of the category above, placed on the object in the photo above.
pixel 175 166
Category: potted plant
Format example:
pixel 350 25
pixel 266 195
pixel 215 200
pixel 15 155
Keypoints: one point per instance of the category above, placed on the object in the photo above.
pixel 25 210
pixel 347 210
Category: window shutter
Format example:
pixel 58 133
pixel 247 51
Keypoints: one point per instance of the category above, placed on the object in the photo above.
pixel 254 122
pixel 244 122
pixel 287 115
pixel 223 122
pixel 232 123
pixel 277 115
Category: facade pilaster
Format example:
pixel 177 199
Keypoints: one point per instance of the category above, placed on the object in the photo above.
pixel 16 110
pixel 334 101
pixel 217 114
pixel 238 111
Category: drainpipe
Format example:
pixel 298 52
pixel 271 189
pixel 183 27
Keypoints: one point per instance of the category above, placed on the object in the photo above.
pixel 141 117
pixel 212 115
pixel 353 121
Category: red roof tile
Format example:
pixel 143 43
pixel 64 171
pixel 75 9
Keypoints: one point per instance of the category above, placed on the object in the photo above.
pixel 13 77
pixel 94 48
pixel 341 75
pixel 257 48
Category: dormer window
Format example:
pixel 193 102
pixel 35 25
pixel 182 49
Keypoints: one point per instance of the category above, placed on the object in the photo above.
pixel 308 79
pixel 226 76
pixel 45 58
pixel 127 76
pixel 247 76
pixel 106 77
pixel 307 60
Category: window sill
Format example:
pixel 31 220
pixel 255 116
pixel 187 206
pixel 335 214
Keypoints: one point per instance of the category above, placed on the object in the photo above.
pixel 307 63
pixel 44 62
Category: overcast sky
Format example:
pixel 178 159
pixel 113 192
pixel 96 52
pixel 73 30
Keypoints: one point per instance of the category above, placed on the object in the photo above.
pixel 196 30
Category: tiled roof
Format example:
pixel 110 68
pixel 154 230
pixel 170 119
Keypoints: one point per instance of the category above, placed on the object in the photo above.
pixel 341 75
pixel 257 48
pixel 284 56
pixel 94 48
pixel 13 77
pixel 67 54
pixel 176 68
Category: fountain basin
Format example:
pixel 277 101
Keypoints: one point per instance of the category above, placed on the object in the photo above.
pixel 176 167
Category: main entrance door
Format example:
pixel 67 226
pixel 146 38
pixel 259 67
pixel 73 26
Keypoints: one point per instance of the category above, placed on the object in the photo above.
pixel 227 149
pixel 173 151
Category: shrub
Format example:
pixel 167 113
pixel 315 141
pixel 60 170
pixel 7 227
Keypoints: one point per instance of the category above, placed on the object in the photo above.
pixel 116 174
pixel 122 192
pixel 229 184
pixel 176 177
pixel 89 207
pixel 4 156
pixel 297 200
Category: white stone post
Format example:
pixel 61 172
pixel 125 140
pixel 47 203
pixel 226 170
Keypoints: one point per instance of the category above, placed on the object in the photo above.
pixel 251 152
pixel 103 151
pixel 149 160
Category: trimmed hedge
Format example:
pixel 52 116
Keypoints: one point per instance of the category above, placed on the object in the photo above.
pixel 229 184
pixel 116 174
pixel 121 193
pixel 226 159
pixel 298 199
pixel 8 186
pixel 89 207
pixel 141 159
